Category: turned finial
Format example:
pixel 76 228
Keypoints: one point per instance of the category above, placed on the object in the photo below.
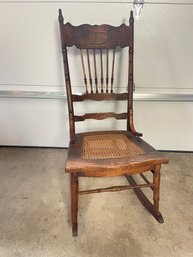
pixel 60 16
pixel 131 19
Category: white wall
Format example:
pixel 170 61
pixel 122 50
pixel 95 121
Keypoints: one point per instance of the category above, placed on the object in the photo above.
pixel 31 61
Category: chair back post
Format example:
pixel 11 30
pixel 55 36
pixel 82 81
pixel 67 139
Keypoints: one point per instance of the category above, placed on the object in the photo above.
pixel 130 75
pixel 67 79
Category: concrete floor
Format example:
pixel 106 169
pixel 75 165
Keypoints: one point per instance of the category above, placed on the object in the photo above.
pixel 34 211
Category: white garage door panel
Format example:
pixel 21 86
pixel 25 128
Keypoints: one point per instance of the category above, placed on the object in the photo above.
pixel 28 50
pixel 45 123
pixel 31 60
pixel 163 48
pixel 33 122
pixel 30 47
pixel 160 122
pixel 167 126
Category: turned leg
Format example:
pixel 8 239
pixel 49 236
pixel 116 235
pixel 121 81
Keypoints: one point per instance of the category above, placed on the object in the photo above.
pixel 156 189
pixel 74 203
pixel 145 201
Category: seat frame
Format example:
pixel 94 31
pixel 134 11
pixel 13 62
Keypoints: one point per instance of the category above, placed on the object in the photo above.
pixel 106 37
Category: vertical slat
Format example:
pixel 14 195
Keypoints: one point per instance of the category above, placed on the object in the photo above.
pixel 89 70
pixel 95 71
pixel 107 69
pixel 84 72
pixel 112 74
pixel 101 61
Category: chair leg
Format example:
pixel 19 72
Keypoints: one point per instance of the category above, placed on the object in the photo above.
pixel 145 201
pixel 156 189
pixel 74 203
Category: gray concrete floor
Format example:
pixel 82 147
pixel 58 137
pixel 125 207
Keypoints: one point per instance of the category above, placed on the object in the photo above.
pixel 34 211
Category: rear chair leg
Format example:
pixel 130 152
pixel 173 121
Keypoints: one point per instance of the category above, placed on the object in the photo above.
pixel 74 203
pixel 156 189
pixel 152 208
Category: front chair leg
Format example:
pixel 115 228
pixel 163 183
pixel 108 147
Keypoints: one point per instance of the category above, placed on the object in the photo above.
pixel 74 203
pixel 156 189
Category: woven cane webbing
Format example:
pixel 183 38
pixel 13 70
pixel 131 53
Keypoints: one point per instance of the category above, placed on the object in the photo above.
pixel 109 146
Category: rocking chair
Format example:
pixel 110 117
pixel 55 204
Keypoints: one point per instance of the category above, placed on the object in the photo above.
pixel 106 153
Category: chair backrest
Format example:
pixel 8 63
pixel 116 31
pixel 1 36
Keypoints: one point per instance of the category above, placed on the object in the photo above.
pixel 100 41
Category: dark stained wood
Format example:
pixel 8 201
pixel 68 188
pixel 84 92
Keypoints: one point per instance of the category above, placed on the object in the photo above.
pixel 145 201
pixel 113 167
pixel 107 70
pixel 130 123
pixel 113 189
pixel 89 70
pixel 95 71
pixel 156 182
pixel 99 97
pixel 84 72
pixel 69 95
pixel 101 62
pixel 74 203
pixel 93 80
pixel 131 154
pixel 112 73
pixel 146 180
pixel 101 116
pixel 93 36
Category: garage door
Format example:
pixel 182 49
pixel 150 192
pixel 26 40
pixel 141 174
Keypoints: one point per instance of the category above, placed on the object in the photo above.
pixel 33 110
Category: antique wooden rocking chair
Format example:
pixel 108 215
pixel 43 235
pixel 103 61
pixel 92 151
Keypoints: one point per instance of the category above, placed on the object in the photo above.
pixel 106 153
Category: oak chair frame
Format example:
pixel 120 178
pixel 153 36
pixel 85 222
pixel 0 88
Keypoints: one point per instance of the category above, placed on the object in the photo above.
pixel 104 37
